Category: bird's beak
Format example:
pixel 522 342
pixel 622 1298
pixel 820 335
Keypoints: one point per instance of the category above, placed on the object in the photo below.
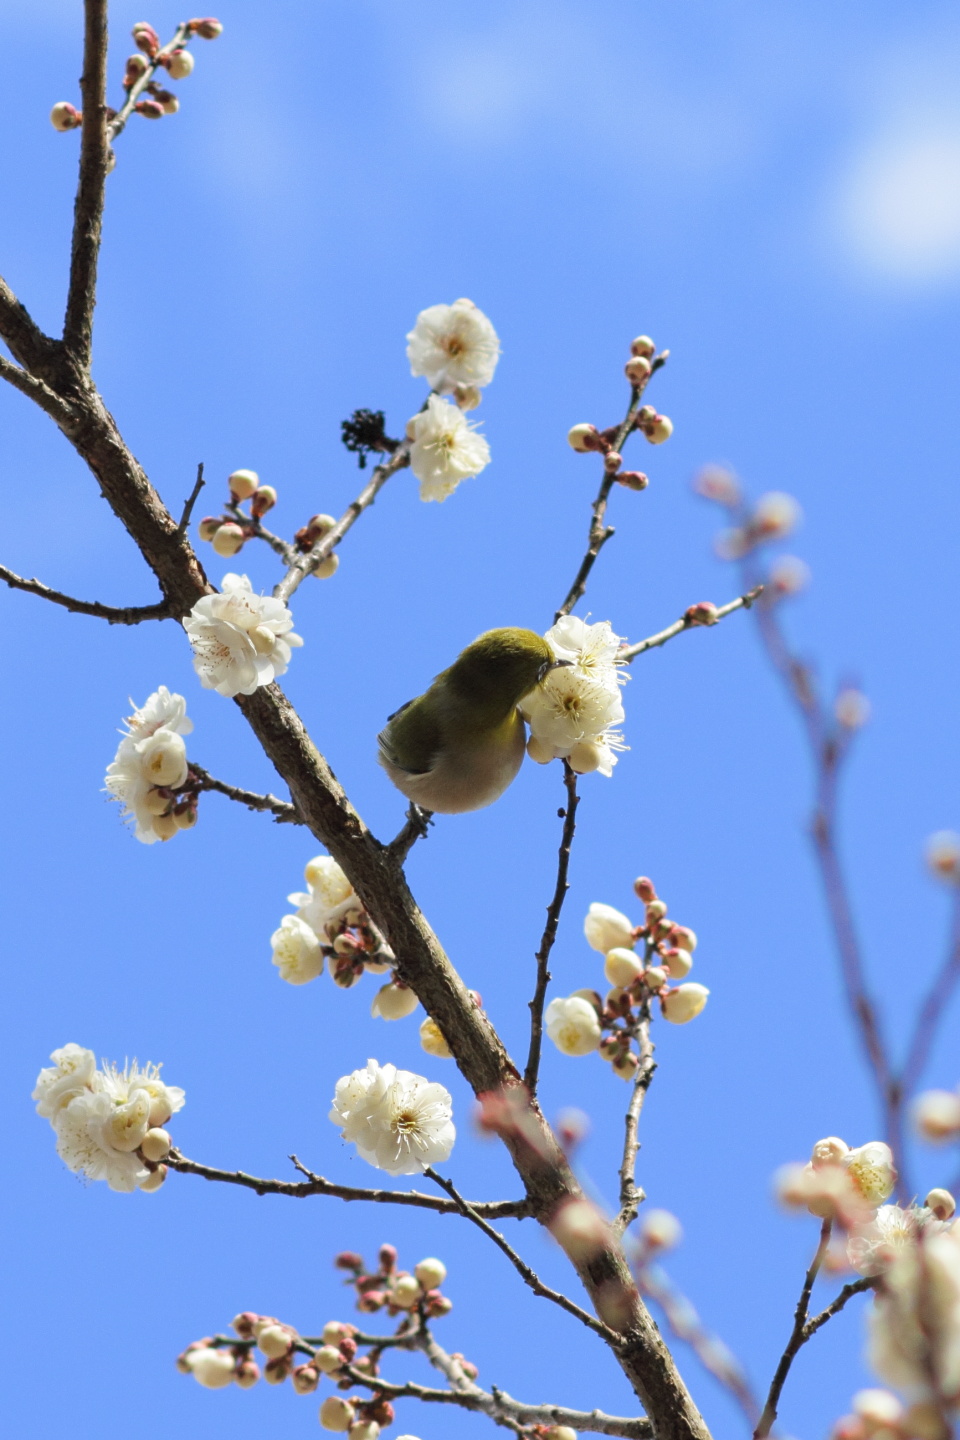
pixel 549 665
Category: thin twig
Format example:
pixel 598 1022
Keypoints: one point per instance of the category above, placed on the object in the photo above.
pixel 528 1275
pixel 191 501
pixel 317 1185
pixel 88 206
pixel 797 1337
pixel 286 552
pixel 114 614
pixel 631 1196
pixel 569 814
pixel 303 565
pixel 932 1009
pixel 282 809
pixel 856 1287
pixel 688 621
pixel 116 126
pixel 37 391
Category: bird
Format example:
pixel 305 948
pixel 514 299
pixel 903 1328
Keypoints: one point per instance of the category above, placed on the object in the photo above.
pixel 459 745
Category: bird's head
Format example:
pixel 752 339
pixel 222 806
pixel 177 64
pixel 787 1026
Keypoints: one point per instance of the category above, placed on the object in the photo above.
pixel 501 666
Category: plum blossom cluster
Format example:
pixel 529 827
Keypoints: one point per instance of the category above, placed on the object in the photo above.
pixel 341 1353
pixel 839 1183
pixel 330 926
pixel 240 640
pixel 398 1121
pixel 573 713
pixel 108 1122
pixel 149 775
pixel 456 349
pixel 149 58
pixel 584 1022
pixel 656 428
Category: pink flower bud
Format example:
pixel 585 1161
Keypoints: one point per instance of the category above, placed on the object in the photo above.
pixel 243 483
pixel 65 116
pixel 229 538
pixel 633 479
pixel 247 1373
pixel 572 1127
pixel 637 370
pixel 264 500
pixel 137 65
pixel 208 29
pixel 643 345
pixel 644 889
pixel 381 1411
pixel 658 429
pixel 942 1203
pixel 149 109
pixel 179 64
pixel 437 1305
pixel 146 38
pixel 715 483
pixel 584 438
pixel 467 1366
pixel 208 527
pixel 388 1259
pixel 276 1371
pixel 348 1348
pixel 371 1301
pixel 612 461
pixel 305 1379
pixel 244 1323
pixel 703 613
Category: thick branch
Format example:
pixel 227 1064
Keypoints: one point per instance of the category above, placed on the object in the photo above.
pixel 688 621
pixel 303 565
pixel 317 1185
pixel 88 207
pixel 797 1338
pixel 282 809
pixel 115 614
pixel 532 1071
pixel 631 1196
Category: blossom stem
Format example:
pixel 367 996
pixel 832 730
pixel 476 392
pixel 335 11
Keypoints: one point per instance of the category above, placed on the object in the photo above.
pixel 190 501
pixel 631 1196
pixel 856 1287
pixel 569 815
pixel 797 1337
pixel 282 809
pixel 114 614
pixel 688 622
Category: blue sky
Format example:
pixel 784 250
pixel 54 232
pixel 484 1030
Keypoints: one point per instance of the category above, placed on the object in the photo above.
pixel 772 191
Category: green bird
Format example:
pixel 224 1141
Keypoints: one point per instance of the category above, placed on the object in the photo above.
pixel 458 746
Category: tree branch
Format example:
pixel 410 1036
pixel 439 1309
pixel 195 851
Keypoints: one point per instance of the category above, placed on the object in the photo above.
pixel 88 207
pixel 117 124
pixel 282 809
pixel 28 343
pixel 190 501
pixel 932 1009
pixel 317 1185
pixel 115 614
pixel 688 621
pixel 631 1196
pixel 856 1287
pixel 569 814
pixel 40 393
pixel 797 1337
pixel 304 565
pixel 528 1275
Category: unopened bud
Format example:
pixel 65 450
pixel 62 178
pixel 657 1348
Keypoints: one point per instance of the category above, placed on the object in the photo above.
pixel 540 752
pixel 703 613
pixel 936 1115
pixel 626 1065
pixel 346 1260
pixel 274 1340
pixel 150 109
pixel 137 65
pixel 644 889
pixel 563 1432
pixel 852 709
pixel 364 1430
pixel 683 937
pixel 466 397
pixel 633 479
pixel 660 1230
pixel 612 461
pixel 583 438
pixel 156 1144
pixel 207 29
pixel 788 576
pixel 828 1152
pixel 328 1359
pixel 328 566
pixel 643 345
pixel 337 1413
pixel 622 967
pixel 655 978
pixel 244 1323
pixel 65 116
pixel 278 1370
pixel 318 525
pixel 247 1373
pixel 685 1003
pixel 381 1410
pixel 877 1408
pixel 228 540
pixel 208 527
pixel 775 515
pixel 388 1259
pixel 658 429
pixel 637 370
pixel 185 815
pixel 715 483
pixel 609 1048
pixel 432 1041
pixel 394 1002
pixel 678 963
pixel 943 855
pixel 305 1379
pixel 431 1273
pixel 656 909
pixel 586 757
pixel 157 801
pixel 169 102
pixel 179 65
pixel 154 1180
pixel 437 1306
pixel 243 483
pixel 164 827
pixel 942 1203
pixel 146 38
pixel 348 1348
pixel 371 1301
pixel 579 1229
pixel 406 1292
pixel 263 500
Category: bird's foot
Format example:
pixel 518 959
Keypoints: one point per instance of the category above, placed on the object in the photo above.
pixel 419 819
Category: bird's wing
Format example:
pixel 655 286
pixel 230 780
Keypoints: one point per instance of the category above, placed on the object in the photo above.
pixel 410 740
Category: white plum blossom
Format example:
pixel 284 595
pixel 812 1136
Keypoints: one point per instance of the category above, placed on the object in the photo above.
pixel 607 929
pixel 240 640
pixel 120 1085
pixel 328 898
pixel 873 1247
pixel 871 1169
pixel 573 1025
pixel 71 1073
pixel 86 1132
pixel 914 1323
pixel 573 712
pixel 453 345
pixel 445 449
pixel 151 755
pixel 297 953
pixel 399 1122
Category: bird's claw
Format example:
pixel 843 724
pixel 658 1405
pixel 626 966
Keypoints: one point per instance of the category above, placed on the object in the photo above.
pixel 419 819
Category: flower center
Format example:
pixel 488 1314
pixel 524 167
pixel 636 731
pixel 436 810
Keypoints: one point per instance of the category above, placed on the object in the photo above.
pixel 407 1122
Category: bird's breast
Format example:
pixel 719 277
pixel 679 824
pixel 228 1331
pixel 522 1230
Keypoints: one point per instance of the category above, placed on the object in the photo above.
pixel 469 774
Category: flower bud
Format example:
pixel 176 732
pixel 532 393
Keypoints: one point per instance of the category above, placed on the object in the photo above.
pixel 432 1041
pixel 685 1003
pixel 683 937
pixel 936 1115
pixel 572 1127
pixel 394 1002
pixel 336 1413
pixel 364 1430
pixel 208 29
pixel 678 963
pixel 146 38
pixel 852 709
pixel 655 911
pixel 370 1301
pixel 877 1408
pixel 243 483
pixel 612 461
pixel 943 855
pixel 562 1432
pixel 328 566
pixel 154 1180
pixel 150 109
pixel 335 1330
pixel 585 757
pixel 157 801
pixel 607 929
pixel 655 977
pixel 637 370
pixel 274 1340
pixel 643 345
pixel 828 1152
pixel 137 65
pixel 211 1368
pixel 305 1379
pixel 579 1229
pixel 775 515
pixel 788 576
pixel 228 540
pixel 185 814
pixel 348 1348
pixel 713 482
pixel 466 397
pixel 328 1359
pixel 156 1144
pixel 387 1257
pixel 633 479
pixel 431 1273
pixel 164 827
pixel 65 116
pixel 540 752
pixel 626 1065
pixel 247 1373
pixel 179 65
pixel 437 1305
pixel 660 1230
pixel 644 889
pixel 703 613
pixel 658 429
pixel 583 438
pixel 277 1370
pixel 208 527
pixel 263 500
pixel 406 1292
pixel 941 1202
pixel 244 1323
pixel 622 966
pixel 381 1410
